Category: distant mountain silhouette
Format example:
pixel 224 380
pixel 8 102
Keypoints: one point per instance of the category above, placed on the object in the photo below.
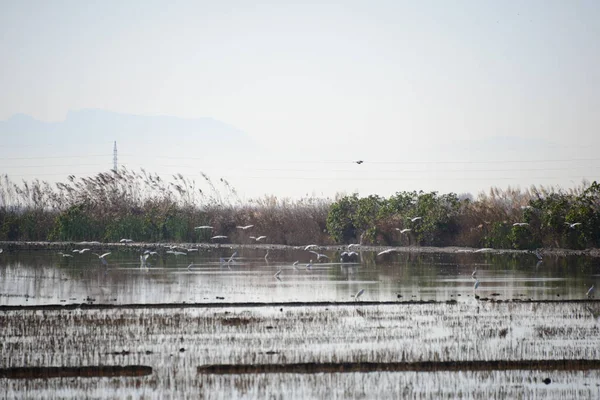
pixel 94 126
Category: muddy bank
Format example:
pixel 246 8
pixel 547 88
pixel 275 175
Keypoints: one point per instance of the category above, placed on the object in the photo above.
pixel 97 246
pixel 242 305
pixel 424 366
pixel 74 372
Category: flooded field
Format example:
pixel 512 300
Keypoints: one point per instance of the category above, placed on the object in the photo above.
pixel 420 328
pixel 213 275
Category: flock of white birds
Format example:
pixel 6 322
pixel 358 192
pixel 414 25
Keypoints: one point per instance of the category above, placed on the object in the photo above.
pixel 347 256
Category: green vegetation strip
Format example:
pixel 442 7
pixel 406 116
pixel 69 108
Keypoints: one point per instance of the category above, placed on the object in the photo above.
pixel 423 366
pixel 72 372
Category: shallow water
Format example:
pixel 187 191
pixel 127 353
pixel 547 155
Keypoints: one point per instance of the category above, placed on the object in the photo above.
pixel 175 342
pixel 43 277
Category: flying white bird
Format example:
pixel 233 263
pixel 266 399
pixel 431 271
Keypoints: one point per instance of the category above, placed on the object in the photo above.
pixel 80 251
pixel 414 219
pixel 219 237
pixel 386 252
pixel 203 227
pixel 520 224
pixel 244 227
pixel 590 292
pixel 176 253
pixel 319 255
pixel 143 260
pixel 101 257
pixel 358 294
pixel 406 230
pixel 259 238
pixel 574 225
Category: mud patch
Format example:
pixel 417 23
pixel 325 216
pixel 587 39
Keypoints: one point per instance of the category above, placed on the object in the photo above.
pixel 73 372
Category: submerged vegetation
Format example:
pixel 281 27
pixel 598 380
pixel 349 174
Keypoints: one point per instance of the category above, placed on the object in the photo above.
pixel 144 207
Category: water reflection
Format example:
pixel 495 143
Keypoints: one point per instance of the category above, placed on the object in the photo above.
pixel 40 277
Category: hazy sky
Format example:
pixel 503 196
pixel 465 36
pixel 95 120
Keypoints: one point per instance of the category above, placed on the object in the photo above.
pixel 385 82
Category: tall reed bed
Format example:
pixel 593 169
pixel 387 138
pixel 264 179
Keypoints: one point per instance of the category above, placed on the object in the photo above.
pixel 145 207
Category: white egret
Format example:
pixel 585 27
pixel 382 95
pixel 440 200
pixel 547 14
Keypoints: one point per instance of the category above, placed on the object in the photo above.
pixel 573 225
pixel 102 257
pixel 259 238
pixel 143 260
pixel 590 292
pixel 232 257
pixel 415 219
pixel 176 253
pixel 520 224
pixel 244 227
pixel 358 294
pixel 319 255
pixel 406 230
pixel 125 241
pixel 203 227
pixel 386 252
pixel 219 237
